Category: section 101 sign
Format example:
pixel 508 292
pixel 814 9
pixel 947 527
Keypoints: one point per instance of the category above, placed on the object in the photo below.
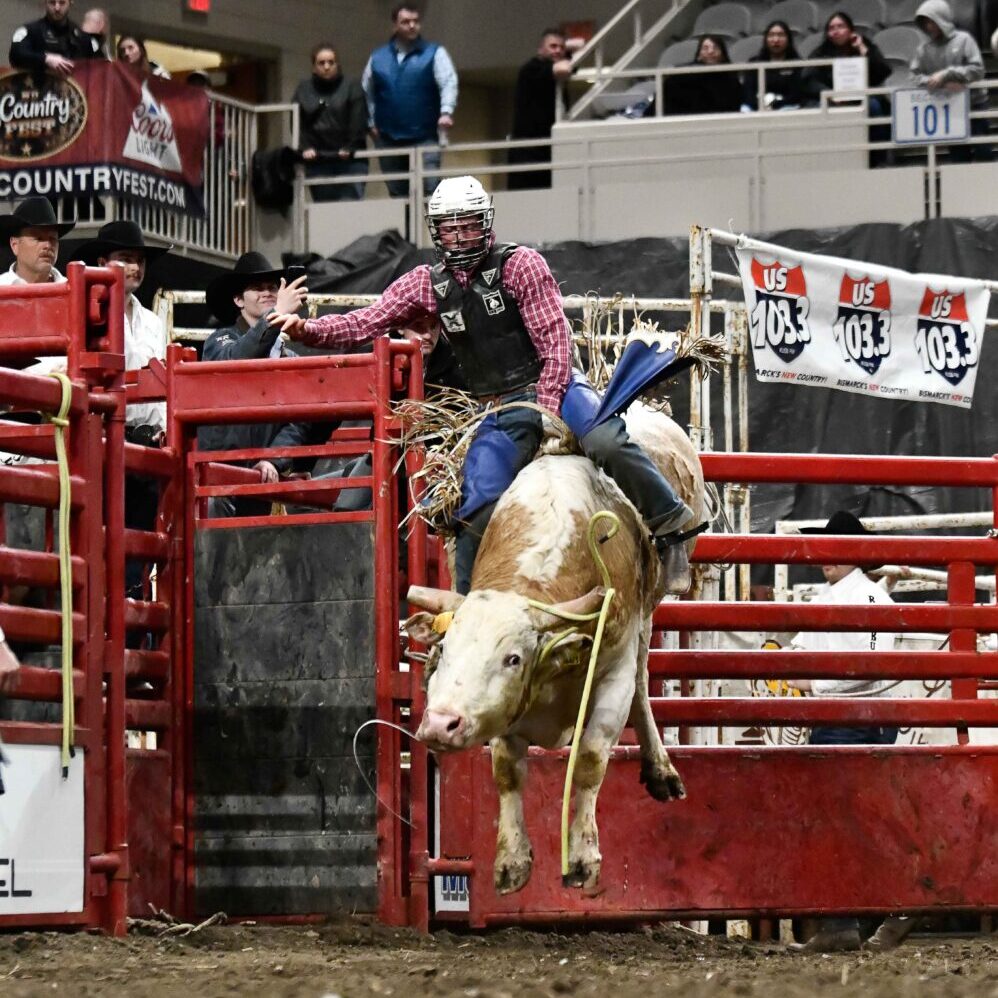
pixel 923 117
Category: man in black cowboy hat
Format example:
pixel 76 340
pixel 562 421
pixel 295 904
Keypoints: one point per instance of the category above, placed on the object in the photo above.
pixel 34 233
pixel 123 243
pixel 849 585
pixel 243 300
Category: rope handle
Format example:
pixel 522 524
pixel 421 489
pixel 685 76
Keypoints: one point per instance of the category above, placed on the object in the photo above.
pixel 60 421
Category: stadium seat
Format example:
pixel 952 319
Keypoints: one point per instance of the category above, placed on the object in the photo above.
pixel 745 49
pixel 679 53
pixel 899 43
pixel 729 20
pixel 900 79
pixel 801 15
pixel 903 11
pixel 806 46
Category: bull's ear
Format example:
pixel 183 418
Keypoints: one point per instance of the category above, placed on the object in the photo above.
pixel 419 627
pixel 434 600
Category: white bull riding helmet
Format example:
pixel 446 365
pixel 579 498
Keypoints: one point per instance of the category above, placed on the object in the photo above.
pixel 467 207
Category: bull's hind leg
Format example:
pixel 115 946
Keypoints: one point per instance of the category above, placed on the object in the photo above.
pixel 657 772
pixel 514 857
pixel 611 700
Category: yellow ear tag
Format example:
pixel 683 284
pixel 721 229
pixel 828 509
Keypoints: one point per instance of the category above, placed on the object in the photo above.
pixel 442 621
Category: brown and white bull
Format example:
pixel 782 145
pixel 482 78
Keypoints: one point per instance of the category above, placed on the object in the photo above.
pixel 490 683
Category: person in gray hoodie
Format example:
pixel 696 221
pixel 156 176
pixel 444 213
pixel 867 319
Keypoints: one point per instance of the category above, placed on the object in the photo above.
pixel 949 59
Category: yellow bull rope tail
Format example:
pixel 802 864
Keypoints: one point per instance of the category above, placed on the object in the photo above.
pixel 600 616
pixel 60 421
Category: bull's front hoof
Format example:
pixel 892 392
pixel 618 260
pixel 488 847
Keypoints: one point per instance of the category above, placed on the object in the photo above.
pixel 581 874
pixel 511 874
pixel 663 782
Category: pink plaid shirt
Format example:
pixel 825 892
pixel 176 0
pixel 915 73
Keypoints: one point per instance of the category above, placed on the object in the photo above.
pixel 525 275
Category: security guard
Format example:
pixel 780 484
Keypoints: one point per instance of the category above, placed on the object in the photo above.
pixel 52 42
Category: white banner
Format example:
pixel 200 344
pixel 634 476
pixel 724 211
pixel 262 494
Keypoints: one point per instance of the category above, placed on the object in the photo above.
pixel 41 832
pixel 831 323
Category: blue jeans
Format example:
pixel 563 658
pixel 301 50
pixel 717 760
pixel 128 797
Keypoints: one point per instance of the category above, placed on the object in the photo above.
pixel 400 164
pixel 337 168
pixel 524 428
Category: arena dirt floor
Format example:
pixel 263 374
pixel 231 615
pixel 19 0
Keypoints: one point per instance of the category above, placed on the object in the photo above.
pixel 356 958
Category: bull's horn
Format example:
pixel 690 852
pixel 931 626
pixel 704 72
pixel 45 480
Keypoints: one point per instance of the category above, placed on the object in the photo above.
pixel 589 603
pixel 434 600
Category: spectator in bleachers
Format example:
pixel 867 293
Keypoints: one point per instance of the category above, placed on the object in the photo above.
pixel 534 107
pixel 843 41
pixel 132 51
pixel 333 126
pixel 411 90
pixel 95 24
pixel 949 59
pixel 784 87
pixel 705 93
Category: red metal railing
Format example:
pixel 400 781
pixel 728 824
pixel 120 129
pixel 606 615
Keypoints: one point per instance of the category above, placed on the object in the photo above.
pixel 81 320
pixel 875 815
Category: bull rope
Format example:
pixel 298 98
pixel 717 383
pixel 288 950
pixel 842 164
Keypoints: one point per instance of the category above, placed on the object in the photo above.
pixel 60 422
pixel 600 616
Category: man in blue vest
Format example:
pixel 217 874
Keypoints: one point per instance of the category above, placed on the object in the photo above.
pixel 411 90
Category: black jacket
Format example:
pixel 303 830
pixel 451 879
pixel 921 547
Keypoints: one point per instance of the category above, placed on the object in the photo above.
pixel 32 42
pixel 786 83
pixel 703 93
pixel 533 99
pixel 820 78
pixel 241 342
pixel 333 114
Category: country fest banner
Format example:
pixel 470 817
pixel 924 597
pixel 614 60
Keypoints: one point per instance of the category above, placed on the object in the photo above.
pixel 104 130
pixel 831 323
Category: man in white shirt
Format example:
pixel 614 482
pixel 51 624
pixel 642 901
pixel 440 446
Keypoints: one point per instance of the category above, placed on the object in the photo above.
pixel 123 243
pixel 847 585
pixel 34 233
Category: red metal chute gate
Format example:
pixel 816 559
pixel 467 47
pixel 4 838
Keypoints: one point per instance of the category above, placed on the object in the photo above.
pixel 764 831
pixel 126 817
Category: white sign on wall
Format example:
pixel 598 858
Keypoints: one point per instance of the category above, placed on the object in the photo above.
pixel 41 832
pixel 921 117
pixel 849 74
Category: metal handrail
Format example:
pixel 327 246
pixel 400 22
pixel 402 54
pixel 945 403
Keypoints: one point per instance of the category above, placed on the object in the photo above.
pixel 595 46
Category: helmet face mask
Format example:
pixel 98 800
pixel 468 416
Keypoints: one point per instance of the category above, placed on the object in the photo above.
pixel 459 215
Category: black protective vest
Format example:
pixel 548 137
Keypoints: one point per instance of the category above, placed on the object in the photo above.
pixel 484 327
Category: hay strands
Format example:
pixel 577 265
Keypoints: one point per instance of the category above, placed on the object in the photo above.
pixel 163 925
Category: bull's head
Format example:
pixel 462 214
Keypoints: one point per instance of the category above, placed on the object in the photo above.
pixel 487 662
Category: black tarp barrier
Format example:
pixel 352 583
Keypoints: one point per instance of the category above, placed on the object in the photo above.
pixel 782 418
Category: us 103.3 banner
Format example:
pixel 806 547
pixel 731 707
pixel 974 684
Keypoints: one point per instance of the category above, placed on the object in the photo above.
pixel 831 323
pixel 103 130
